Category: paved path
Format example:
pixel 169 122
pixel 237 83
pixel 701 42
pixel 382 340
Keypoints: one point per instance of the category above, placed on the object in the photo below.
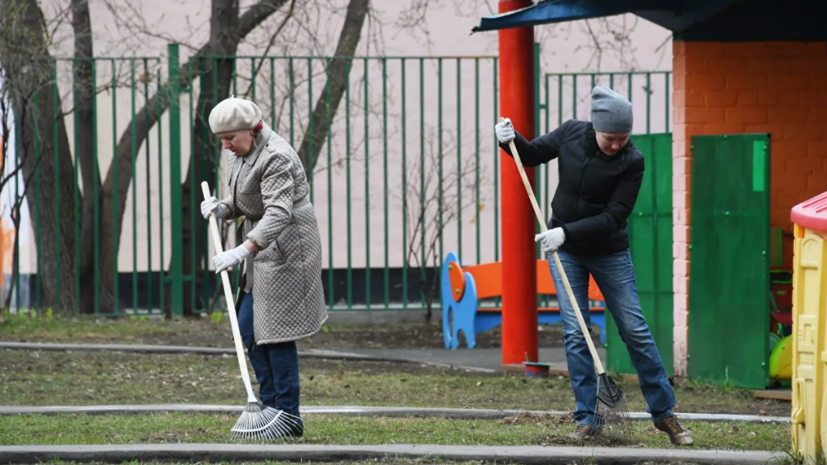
pixel 487 360
pixel 322 453
pixel 422 412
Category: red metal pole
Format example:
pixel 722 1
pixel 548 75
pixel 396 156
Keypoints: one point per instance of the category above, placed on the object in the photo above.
pixel 519 299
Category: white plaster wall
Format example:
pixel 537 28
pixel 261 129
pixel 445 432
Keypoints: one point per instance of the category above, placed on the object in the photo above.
pixel 565 48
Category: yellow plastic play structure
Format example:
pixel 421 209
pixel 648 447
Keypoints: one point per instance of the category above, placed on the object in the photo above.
pixel 809 415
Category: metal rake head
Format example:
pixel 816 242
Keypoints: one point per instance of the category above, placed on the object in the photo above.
pixel 259 422
pixel 608 392
pixel 610 414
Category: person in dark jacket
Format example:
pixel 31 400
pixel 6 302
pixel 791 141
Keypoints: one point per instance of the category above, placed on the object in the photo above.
pixel 600 173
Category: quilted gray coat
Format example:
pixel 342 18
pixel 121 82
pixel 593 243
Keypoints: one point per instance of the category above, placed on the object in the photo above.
pixel 269 189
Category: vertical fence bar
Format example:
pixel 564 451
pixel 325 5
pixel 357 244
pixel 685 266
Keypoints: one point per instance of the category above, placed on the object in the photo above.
pixel 253 79
pixel 666 87
pixel 385 172
pixel 422 170
pixel 177 288
pixel 629 77
pixel 134 193
pixel 405 252
pixel 16 253
pixel 310 176
pixel 236 273
pixel 235 80
pixel 215 161
pixel 115 213
pixel 548 129
pixel 56 191
pixel 574 96
pixel 273 95
pixel 148 195
pixel 367 191
pixel 347 168
pixel 191 277
pixel 459 158
pixel 439 152
pixel 292 81
pixel 331 282
pixel 37 301
pixel 161 280
pixel 648 102
pixel 476 155
pixel 537 176
pixel 496 171
pixel 75 190
pixel 96 189
pixel 18 147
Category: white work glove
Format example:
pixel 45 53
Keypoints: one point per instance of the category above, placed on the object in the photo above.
pixel 230 258
pixel 551 239
pixel 213 205
pixel 505 131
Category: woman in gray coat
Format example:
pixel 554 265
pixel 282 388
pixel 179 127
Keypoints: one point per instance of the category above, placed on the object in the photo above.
pixel 281 299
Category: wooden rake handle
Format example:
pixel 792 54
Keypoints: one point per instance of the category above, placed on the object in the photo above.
pixel 544 228
pixel 228 296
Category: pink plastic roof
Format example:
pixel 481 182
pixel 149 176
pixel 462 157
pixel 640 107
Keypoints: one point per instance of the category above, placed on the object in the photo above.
pixel 811 214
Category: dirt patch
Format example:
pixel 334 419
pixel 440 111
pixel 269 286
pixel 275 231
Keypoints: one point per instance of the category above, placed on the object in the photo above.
pixel 171 437
pixel 533 418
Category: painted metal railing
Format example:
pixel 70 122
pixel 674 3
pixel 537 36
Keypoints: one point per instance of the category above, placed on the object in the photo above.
pixel 407 171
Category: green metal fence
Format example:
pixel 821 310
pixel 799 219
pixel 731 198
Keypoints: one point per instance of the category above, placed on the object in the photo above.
pixel 408 169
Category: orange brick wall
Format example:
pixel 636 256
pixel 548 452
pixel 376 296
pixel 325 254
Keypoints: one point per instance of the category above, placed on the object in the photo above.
pixel 747 87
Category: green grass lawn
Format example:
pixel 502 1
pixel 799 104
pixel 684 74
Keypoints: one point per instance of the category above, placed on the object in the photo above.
pixel 525 429
pixel 39 378
pixel 96 378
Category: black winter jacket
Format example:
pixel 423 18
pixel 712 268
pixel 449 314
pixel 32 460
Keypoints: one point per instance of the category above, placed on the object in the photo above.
pixel 596 192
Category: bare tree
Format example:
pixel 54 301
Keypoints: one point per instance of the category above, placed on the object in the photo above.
pixel 338 71
pixel 31 90
pixel 24 53
pixel 432 204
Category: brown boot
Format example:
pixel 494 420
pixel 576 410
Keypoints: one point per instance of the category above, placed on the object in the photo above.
pixel 679 435
pixel 584 431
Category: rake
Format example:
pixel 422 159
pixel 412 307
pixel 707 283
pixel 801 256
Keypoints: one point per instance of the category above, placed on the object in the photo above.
pixel 610 409
pixel 258 421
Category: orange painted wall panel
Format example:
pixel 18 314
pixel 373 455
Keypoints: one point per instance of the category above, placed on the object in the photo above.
pixel 748 87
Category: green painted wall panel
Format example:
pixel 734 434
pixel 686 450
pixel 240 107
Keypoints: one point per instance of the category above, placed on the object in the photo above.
pixel 650 243
pixel 729 260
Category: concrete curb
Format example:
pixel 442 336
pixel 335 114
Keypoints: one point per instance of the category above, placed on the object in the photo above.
pixel 410 412
pixel 170 349
pixel 321 453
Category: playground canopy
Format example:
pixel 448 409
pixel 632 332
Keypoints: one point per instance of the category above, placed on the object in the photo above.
pixel 688 20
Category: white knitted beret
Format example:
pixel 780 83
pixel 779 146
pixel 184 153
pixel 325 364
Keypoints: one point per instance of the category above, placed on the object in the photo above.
pixel 233 114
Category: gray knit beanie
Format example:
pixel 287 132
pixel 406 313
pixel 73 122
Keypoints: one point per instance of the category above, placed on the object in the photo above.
pixel 611 112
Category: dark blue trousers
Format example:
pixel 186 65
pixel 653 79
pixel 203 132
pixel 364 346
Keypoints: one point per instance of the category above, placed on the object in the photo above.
pixel 276 365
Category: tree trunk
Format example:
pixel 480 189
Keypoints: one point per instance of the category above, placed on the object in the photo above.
pixel 223 42
pixel 102 285
pixel 32 90
pixel 337 76
pixel 147 117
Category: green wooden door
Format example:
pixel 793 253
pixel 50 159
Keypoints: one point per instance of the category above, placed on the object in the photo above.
pixel 650 243
pixel 729 260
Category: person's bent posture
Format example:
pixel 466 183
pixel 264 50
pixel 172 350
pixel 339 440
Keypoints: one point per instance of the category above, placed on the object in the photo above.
pixel 281 299
pixel 600 173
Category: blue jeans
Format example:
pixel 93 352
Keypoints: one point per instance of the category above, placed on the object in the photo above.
pixel 276 365
pixel 615 276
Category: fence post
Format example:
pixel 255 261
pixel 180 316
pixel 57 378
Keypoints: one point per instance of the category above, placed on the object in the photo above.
pixel 176 263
